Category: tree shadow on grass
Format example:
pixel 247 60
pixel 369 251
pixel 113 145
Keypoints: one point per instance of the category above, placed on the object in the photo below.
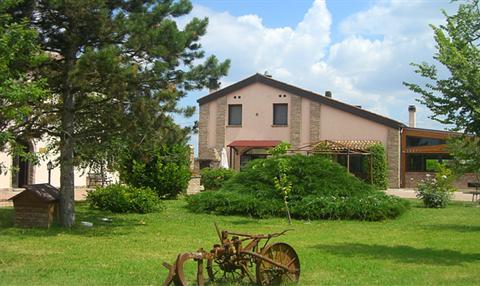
pixel 454 227
pixel 401 253
pixel 120 225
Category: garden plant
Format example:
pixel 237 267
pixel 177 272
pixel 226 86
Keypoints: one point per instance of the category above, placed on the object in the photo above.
pixel 321 189
pixel 436 191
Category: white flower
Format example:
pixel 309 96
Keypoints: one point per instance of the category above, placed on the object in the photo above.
pixel 427 175
pixel 444 176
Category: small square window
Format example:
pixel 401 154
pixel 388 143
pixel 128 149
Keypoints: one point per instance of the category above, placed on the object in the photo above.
pixel 235 114
pixel 280 114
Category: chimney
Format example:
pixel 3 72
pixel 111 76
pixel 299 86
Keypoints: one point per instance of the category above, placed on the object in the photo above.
pixel 412 117
pixel 328 94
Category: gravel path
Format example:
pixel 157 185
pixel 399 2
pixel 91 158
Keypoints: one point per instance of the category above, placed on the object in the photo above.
pixel 410 194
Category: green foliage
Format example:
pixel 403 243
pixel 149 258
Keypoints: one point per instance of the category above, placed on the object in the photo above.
pixel 466 155
pixel 165 169
pixel 214 178
pixel 456 99
pixel 281 180
pixel 280 149
pixel 20 85
pixel 124 199
pixel 379 173
pixel 320 189
pixel 436 191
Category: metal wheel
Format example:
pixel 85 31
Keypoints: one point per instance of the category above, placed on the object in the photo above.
pixel 220 272
pixel 270 274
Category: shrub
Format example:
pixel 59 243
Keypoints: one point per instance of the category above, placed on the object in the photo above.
pixel 214 178
pixel 124 199
pixel 436 191
pixel 165 169
pixel 321 189
pixel 378 171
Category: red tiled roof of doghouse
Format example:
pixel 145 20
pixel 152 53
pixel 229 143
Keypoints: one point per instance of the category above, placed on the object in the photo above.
pixel 44 192
pixel 254 143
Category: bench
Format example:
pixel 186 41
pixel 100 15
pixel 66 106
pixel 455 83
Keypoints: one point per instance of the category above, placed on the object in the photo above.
pixel 475 194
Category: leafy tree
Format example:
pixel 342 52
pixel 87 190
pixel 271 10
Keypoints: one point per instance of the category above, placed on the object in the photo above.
pixel 455 99
pixel 466 155
pixel 118 69
pixel 164 169
pixel 19 84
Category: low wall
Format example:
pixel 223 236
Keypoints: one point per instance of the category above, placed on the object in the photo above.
pixel 413 178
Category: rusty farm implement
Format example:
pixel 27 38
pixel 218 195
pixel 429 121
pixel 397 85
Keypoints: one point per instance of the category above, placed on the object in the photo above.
pixel 237 258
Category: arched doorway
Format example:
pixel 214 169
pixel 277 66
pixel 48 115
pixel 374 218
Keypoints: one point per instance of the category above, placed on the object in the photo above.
pixel 23 173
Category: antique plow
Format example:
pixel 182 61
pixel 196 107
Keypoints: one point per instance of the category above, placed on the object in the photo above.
pixel 231 261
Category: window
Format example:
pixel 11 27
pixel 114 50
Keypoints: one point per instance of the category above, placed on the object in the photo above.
pixel 421 141
pixel 425 162
pixel 280 114
pixel 235 114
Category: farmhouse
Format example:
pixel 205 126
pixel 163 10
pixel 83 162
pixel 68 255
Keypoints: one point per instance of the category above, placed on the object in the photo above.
pixel 255 114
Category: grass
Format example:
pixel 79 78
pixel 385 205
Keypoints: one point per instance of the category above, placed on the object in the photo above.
pixel 422 247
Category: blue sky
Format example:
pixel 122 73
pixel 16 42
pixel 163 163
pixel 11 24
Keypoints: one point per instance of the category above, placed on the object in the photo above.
pixel 358 49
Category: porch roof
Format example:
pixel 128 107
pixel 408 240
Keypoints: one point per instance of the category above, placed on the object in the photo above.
pixel 339 146
pixel 254 143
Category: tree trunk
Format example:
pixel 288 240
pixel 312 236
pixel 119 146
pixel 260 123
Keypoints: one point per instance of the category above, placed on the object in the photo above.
pixel 67 144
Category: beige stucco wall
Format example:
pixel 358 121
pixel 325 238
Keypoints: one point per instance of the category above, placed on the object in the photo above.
pixel 336 124
pixel 40 170
pixel 257 114
pixel 305 132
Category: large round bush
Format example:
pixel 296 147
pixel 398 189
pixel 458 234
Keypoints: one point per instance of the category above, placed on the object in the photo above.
pixel 322 189
pixel 164 169
pixel 124 199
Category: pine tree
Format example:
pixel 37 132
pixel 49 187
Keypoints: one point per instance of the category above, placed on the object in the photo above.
pixel 115 67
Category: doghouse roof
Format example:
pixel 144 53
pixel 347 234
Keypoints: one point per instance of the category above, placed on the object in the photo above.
pixel 44 192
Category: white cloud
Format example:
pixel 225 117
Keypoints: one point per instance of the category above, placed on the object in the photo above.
pixel 366 66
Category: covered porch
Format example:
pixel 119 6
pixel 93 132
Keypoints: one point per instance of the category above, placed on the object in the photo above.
pixel 241 152
pixel 352 154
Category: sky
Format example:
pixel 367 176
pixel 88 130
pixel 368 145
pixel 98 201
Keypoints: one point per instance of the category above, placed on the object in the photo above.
pixel 360 50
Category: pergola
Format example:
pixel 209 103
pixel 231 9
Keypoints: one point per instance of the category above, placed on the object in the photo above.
pixel 340 147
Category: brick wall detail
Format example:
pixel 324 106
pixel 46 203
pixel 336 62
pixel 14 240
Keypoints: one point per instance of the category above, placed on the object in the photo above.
pixel 295 120
pixel 203 131
pixel 314 121
pixel 393 157
pixel 220 123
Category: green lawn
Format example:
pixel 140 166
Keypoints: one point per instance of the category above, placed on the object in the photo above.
pixel 423 247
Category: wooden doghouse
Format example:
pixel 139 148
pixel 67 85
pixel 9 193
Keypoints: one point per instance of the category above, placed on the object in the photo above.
pixel 36 206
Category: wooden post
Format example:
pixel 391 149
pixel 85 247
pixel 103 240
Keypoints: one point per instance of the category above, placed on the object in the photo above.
pixel 348 161
pixel 200 278
pixel 371 168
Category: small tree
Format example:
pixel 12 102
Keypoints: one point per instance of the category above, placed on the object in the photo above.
pixel 281 181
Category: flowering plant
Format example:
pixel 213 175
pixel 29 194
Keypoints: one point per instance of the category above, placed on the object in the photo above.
pixel 436 191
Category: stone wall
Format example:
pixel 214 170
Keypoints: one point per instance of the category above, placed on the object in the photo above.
pixel 203 131
pixel 314 121
pixel 295 120
pixel 220 123
pixel 413 178
pixel 393 157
